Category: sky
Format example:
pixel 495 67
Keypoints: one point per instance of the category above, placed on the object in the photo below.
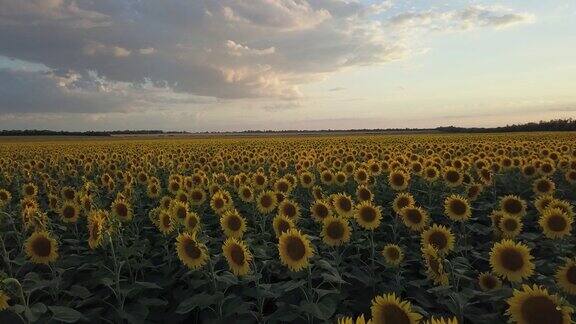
pixel 233 65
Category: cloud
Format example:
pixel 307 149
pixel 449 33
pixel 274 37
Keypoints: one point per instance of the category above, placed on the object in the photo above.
pixel 471 17
pixel 226 49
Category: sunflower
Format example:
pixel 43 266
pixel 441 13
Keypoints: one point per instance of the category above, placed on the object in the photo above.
pixel 566 277
pixel 218 203
pixel 340 178
pixel 510 226
pixel 389 309
pixel 29 190
pixel 294 249
pixel 415 218
pixel 282 224
pixel 178 210
pixel 343 205
pixel 122 210
pixel 555 223
pixel 457 208
pixel 266 201
pixel 320 209
pixel 393 254
pixel 237 255
pixel 570 176
pixel 431 173
pixel 543 186
pixel 68 193
pixel 511 260
pixel 153 190
pixel 452 177
pixel 246 194
pixel 335 231
pixel 4 299
pixel 535 305
pixel 282 185
pixel 542 202
pixel 473 190
pixel 165 223
pixel 402 200
pixel 488 282
pixel 563 205
pixel 317 192
pixel 197 196
pixel 513 205
pixel 96 220
pixel 191 252
pixel 363 193
pixel 233 224
pixel 290 209
pixel 5 197
pixel 192 222
pixel 349 320
pixel 367 215
pixel 398 180
pixel 69 212
pixel 434 265
pixel 41 248
pixel 439 237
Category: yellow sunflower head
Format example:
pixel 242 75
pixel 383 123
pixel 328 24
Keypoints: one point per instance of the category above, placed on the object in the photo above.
pixel 69 212
pixel 388 309
pixel 192 222
pixel 415 218
pixel 393 254
pixel 96 222
pixel 452 177
pixel 191 252
pixel 335 231
pixel 535 305
pixel 513 205
pixel 543 186
pixel 489 282
pixel 282 224
pixel 368 215
pixel 399 180
pixel 555 223
pixel 320 209
pixel 295 250
pixel 233 224
pixel 440 237
pixel 363 193
pixel 457 208
pixel 165 222
pixel 441 320
pixel 237 255
pixel 290 209
pixel 566 277
pixel 122 210
pixel 4 299
pixel 343 205
pixel 402 200
pixel 510 226
pixel 266 202
pixel 511 260
pixel 434 265
pixel 41 248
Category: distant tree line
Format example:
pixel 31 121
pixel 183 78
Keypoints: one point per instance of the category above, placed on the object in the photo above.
pixel 555 125
pixel 568 124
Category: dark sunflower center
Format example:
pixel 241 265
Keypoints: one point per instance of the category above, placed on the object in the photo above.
pixel 489 282
pixel 181 212
pixel 3 196
pixel 295 248
pixel 335 230
pixel 196 195
pixel 438 239
pixel 431 173
pixel 289 210
pixel 364 194
pixel 368 214
pixel 69 194
pixel 166 221
pixel 283 226
pixel 394 314
pixel 452 176
pixel 234 223
pixel 29 190
pixel 402 202
pixel 266 201
pixel 344 204
pixel 511 259
pixel 246 193
pixel 458 207
pixel 283 186
pixel 510 224
pixel 42 246
pixel 192 249
pixel 69 212
pixel 122 210
pixel 219 203
pixel 393 253
pixel 557 223
pixel 192 221
pixel 327 177
pixel 413 215
pixel 571 275
pixel 237 254
pixel 513 206
pixel 540 309
pixel 543 186
pixel 398 179
pixel 321 211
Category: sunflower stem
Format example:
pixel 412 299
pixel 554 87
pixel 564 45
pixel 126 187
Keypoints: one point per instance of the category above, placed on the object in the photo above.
pixel 5 256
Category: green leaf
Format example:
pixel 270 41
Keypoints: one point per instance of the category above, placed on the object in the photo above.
pixel 65 314
pixel 147 285
pixel 197 301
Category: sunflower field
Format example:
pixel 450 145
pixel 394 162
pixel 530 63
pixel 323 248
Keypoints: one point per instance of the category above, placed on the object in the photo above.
pixel 296 229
